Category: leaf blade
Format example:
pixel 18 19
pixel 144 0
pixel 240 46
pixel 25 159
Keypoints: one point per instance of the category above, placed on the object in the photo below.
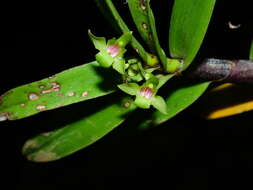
pixel 159 50
pixel 73 85
pixel 188 26
pixel 138 10
pixel 78 135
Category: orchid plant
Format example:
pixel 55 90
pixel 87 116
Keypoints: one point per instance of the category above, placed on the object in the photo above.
pixel 140 76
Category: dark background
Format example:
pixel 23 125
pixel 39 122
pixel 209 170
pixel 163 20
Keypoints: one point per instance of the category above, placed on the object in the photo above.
pixel 42 38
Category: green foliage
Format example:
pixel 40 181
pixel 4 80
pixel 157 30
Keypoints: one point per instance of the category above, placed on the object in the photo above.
pixel 159 50
pixel 73 85
pixel 140 75
pixel 138 10
pixel 188 25
pixel 77 135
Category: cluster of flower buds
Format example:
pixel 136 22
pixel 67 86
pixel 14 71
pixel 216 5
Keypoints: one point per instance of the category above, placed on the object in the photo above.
pixel 111 54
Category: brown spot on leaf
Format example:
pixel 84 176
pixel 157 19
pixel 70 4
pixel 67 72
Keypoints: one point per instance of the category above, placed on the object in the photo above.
pixel 55 87
pixel 43 156
pixel 40 107
pixel 46 134
pixel 144 25
pixel 33 96
pixel 41 86
pixel 22 104
pixel 84 94
pixel 29 145
pixel 127 104
pixel 70 94
pixel 143 5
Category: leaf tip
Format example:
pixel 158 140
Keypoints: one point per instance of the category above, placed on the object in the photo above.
pixel 43 156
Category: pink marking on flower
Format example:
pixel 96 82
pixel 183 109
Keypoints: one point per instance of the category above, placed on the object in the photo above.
pixel 146 92
pixel 113 50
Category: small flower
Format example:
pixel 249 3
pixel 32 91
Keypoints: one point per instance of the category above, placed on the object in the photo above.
pixel 112 52
pixel 146 92
pixel 145 95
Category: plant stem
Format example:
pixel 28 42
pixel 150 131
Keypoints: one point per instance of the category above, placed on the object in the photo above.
pixel 235 71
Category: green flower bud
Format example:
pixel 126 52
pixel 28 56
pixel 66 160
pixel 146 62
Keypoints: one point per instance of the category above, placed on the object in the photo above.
pixel 152 60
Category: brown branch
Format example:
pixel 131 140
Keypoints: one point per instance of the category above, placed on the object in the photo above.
pixel 234 71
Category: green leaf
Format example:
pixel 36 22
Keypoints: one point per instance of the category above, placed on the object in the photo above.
pixel 138 10
pixel 129 88
pixel 80 134
pixel 159 103
pixel 251 51
pixel 177 100
pixel 189 22
pixel 73 85
pixel 159 50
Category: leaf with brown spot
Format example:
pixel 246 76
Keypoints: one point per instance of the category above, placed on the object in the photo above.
pixel 88 79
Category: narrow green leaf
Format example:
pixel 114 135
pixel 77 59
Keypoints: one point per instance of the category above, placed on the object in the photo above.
pixel 159 50
pixel 251 51
pixel 73 85
pixel 177 100
pixel 138 10
pixel 189 22
pixel 80 134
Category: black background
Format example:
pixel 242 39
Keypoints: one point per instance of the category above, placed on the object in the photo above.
pixel 42 38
